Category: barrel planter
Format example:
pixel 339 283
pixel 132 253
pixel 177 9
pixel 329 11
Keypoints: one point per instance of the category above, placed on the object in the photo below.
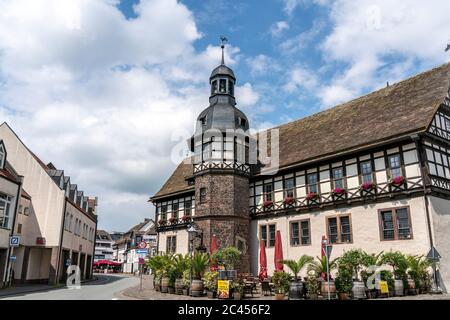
pixel 296 290
pixel 324 289
pixel 197 288
pixel 211 294
pixel 359 290
pixel 164 285
pixel 411 287
pixel 157 284
pixel 179 286
pixel 398 288
pixel 171 290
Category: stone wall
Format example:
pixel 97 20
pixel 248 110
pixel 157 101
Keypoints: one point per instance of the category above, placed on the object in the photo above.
pixel 224 212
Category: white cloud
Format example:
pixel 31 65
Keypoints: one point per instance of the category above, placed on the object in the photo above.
pixel 100 95
pixel 302 40
pixel 278 27
pixel 300 78
pixel 291 5
pixel 368 35
pixel 262 64
pixel 246 96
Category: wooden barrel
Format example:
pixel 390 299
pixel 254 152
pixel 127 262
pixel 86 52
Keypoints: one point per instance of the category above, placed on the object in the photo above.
pixel 411 287
pixel 179 286
pixel 296 290
pixel 164 285
pixel 197 288
pixel 359 290
pixel 398 288
pixel 324 289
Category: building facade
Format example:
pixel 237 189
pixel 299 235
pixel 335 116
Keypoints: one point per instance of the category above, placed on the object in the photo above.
pixel 104 246
pixel 372 173
pixel 55 221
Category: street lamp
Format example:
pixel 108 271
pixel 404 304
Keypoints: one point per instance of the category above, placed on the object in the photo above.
pixel 193 233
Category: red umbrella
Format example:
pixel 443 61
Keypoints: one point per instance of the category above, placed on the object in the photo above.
pixel 213 249
pixel 262 261
pixel 278 252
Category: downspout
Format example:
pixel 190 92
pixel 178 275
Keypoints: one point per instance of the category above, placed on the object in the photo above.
pixel 61 239
pixel 19 191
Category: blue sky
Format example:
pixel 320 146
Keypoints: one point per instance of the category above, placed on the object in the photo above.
pixel 109 90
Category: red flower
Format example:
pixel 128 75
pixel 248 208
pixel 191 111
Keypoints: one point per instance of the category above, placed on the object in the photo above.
pixel 172 220
pixel 338 191
pixel 311 196
pixel 367 186
pixel 288 200
pixel 398 180
pixel 185 218
pixel 267 203
pixel 161 222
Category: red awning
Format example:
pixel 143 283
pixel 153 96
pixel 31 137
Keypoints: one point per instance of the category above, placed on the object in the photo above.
pixel 212 250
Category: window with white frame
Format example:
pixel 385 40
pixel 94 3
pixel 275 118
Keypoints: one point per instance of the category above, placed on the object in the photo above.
pixel 5 211
pixel 366 172
pixel 395 166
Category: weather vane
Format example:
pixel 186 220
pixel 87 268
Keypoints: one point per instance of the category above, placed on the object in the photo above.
pixel 223 39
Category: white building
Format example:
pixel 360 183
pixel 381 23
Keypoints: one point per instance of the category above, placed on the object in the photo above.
pixel 103 246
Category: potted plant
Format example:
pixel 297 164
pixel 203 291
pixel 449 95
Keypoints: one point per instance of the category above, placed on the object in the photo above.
pixel 354 259
pixel 319 266
pixel 418 267
pixel 161 222
pixel 338 191
pixel 368 261
pixel 227 257
pixel 210 283
pixel 312 286
pixel 172 220
pixel 344 282
pixel 281 281
pixel 399 264
pixel 186 282
pixel 296 288
pixel 267 203
pixel 288 200
pixel 199 263
pixel 237 287
pixel 186 218
pixel 367 186
pixel 180 264
pixel 156 265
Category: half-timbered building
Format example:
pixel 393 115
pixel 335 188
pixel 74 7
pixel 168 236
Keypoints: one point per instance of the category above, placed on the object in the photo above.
pixel 372 173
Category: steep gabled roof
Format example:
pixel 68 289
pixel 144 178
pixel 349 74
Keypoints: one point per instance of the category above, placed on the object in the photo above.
pixel 400 109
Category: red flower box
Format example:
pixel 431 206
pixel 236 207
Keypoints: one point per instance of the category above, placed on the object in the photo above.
pixel 288 200
pixel 172 220
pixel 398 180
pixel 267 203
pixel 162 222
pixel 367 186
pixel 311 196
pixel 339 191
pixel 185 218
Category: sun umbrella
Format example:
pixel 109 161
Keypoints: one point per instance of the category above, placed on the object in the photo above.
pixel 212 250
pixel 262 261
pixel 278 252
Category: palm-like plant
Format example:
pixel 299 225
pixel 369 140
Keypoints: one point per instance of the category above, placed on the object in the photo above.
pixel 372 259
pixel 180 263
pixel 199 263
pixel 397 261
pixel 418 268
pixel 297 266
pixel 319 266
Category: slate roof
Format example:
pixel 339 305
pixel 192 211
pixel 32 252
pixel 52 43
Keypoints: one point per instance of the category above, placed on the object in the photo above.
pixel 401 109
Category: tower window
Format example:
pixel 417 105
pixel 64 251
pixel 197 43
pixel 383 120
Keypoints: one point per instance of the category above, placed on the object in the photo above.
pixel 214 87
pixel 203 121
pixel 223 86
pixel 231 87
pixel 202 195
pixel 242 122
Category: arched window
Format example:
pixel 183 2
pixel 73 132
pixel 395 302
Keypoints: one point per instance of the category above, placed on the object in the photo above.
pixel 223 86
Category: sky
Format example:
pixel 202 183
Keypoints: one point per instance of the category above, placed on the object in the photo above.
pixel 109 90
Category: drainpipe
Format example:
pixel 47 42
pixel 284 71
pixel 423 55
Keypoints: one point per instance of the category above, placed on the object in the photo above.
pixel 422 162
pixel 16 212
pixel 61 240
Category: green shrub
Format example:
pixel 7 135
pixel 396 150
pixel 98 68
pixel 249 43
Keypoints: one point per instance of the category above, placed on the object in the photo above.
pixel 227 257
pixel 344 280
pixel 210 280
pixel 281 281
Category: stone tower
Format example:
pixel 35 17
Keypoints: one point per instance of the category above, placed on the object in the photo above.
pixel 221 168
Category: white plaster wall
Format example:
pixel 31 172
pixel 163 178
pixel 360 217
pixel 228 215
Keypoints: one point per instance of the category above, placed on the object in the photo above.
pixel 72 241
pixel 440 213
pixel 182 240
pixel 48 198
pixel 9 188
pixel 365 231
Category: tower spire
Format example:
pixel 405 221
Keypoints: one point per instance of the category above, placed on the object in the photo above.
pixel 222 45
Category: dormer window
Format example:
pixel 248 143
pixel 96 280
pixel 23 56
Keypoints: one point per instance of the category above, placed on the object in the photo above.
pixel 203 121
pixel 223 86
pixel 242 122
pixel 2 155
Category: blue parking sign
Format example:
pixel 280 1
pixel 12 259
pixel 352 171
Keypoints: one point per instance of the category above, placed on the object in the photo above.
pixel 14 241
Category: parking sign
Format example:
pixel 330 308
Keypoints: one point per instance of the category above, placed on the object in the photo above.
pixel 14 241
